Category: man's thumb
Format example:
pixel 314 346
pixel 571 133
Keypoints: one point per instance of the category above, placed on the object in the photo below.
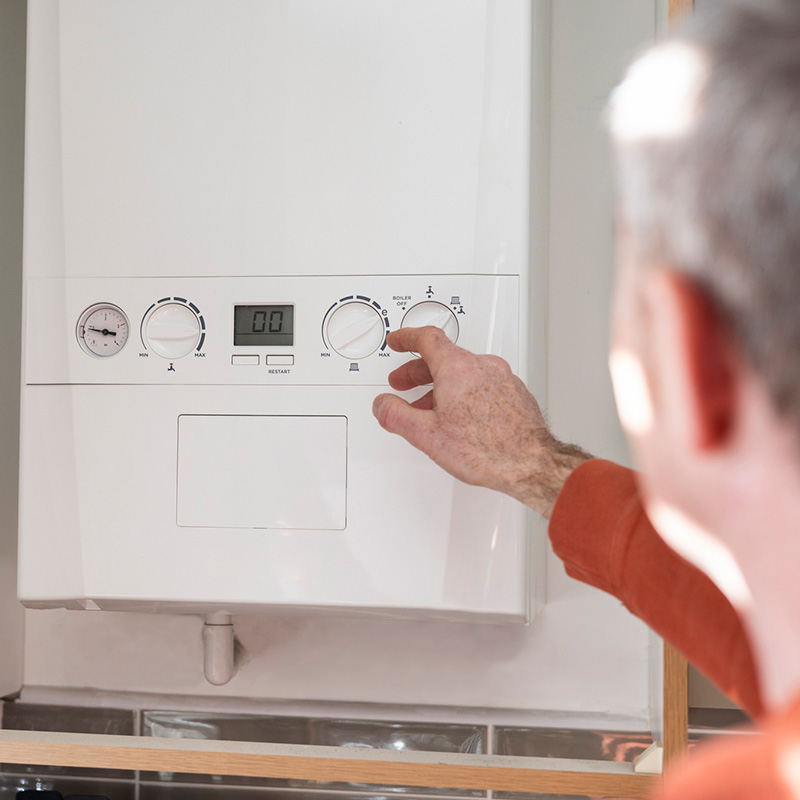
pixel 396 416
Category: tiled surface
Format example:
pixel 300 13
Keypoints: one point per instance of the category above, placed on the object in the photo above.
pixel 226 727
pixel 167 791
pixel 400 736
pixel 170 791
pixel 565 743
pixel 523 796
pixel 115 790
pixel 68 719
pixel 569 743
pixel 712 720
pixel 705 723
pixel 11 784
pixel 299 730
pixel 601 745
pixel 439 738
pixel 397 736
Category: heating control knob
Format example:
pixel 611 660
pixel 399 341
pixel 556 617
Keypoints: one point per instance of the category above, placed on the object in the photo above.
pixel 172 330
pixel 355 330
pixel 429 312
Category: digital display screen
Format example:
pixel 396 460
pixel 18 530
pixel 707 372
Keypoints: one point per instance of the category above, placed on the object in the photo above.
pixel 263 326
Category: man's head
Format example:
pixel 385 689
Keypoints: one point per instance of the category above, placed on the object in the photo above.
pixel 706 131
pixel 707 136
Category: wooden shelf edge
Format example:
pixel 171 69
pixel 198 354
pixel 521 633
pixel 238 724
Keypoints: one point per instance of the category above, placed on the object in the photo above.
pixel 325 764
pixel 679 7
pixel 676 704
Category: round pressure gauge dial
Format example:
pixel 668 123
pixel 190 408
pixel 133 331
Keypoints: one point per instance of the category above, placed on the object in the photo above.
pixel 103 330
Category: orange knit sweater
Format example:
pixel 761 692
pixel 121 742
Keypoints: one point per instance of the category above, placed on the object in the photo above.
pixel 599 528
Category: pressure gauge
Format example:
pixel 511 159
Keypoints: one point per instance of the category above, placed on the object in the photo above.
pixel 103 330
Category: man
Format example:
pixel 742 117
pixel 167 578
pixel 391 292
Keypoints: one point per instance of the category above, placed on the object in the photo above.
pixel 705 360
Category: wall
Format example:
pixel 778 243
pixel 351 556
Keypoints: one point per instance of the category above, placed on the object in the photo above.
pixel 12 112
pixel 584 654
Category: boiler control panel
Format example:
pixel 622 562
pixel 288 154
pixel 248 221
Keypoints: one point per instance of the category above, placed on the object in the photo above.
pixel 254 330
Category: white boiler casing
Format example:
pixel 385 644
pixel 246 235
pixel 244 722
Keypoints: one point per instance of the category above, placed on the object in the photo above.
pixel 229 203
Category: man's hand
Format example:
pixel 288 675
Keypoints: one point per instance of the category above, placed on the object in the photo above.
pixel 479 422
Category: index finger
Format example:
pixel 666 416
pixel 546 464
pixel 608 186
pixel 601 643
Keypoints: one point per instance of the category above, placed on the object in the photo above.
pixel 430 342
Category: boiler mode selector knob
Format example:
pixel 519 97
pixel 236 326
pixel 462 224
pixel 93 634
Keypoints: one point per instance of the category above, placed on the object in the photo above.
pixel 355 330
pixel 172 330
pixel 429 312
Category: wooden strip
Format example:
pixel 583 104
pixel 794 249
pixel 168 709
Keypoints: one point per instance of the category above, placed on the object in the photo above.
pixel 679 7
pixel 676 669
pixel 323 764
pixel 676 704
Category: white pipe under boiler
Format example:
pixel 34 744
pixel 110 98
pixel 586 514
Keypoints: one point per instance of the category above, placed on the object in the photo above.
pixel 218 648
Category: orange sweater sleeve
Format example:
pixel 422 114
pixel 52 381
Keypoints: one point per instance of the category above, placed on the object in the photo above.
pixel 599 529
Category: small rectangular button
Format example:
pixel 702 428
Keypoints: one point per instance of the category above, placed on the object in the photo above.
pixel 280 361
pixel 245 361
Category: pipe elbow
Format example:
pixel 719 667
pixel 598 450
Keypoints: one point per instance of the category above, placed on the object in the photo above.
pixel 219 664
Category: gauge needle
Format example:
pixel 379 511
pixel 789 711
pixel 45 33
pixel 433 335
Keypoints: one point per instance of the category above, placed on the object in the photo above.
pixel 105 331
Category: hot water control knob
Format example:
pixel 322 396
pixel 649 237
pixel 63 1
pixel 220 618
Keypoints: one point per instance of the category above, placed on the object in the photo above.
pixel 355 330
pixel 172 330
pixel 429 312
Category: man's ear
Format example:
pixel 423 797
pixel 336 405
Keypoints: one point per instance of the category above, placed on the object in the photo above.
pixel 696 364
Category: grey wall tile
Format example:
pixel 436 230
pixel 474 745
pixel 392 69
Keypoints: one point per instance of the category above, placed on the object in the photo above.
pixel 68 719
pixel 115 790
pixel 566 743
pixel 570 743
pixel 171 791
pixel 299 730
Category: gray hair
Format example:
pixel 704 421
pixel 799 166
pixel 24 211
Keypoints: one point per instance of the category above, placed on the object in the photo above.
pixel 708 172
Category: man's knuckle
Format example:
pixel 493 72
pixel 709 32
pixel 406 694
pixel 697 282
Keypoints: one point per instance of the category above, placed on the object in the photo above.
pixel 499 365
pixel 436 336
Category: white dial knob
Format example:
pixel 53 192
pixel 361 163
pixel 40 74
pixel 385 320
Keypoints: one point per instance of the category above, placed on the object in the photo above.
pixel 172 330
pixel 355 330
pixel 429 312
